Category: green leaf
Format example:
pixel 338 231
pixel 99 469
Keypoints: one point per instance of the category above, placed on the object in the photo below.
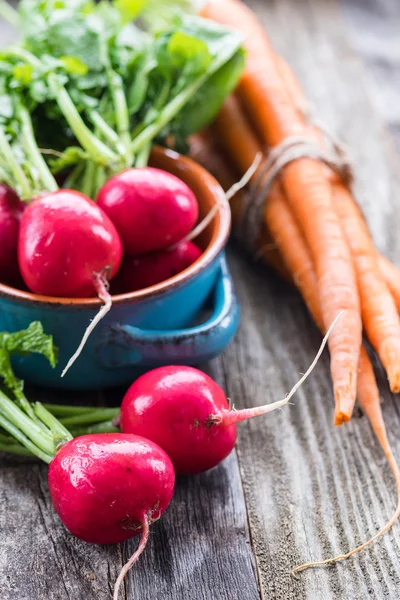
pixel 70 157
pixel 73 65
pixel 23 74
pixel 202 109
pixel 159 15
pixel 31 340
pixel 186 50
pixel 140 82
pixel 7 373
pixel 129 9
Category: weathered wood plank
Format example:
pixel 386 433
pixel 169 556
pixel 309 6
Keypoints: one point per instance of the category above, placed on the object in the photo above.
pixel 374 32
pixel 313 491
pixel 38 559
pixel 200 548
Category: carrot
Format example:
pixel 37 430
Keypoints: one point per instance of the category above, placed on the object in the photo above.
pixel 378 309
pixel 292 246
pixel 309 195
pixel 392 277
pixel 296 256
pixel 207 152
pixel 232 129
pixel 368 392
pixel 379 312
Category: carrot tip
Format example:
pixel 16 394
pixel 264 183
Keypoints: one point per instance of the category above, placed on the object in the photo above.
pixel 344 405
pixel 340 418
pixel 394 382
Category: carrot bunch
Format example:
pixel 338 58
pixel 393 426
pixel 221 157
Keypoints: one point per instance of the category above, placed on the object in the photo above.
pixel 313 232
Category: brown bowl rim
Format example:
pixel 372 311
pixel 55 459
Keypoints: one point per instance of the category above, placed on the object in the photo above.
pixel 205 259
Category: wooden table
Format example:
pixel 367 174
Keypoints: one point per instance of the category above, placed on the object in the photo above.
pixel 296 489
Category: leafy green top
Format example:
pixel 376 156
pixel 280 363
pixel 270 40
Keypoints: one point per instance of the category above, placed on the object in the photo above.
pixel 113 87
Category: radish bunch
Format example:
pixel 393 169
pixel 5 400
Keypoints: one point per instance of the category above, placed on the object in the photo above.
pixel 82 111
pixel 109 487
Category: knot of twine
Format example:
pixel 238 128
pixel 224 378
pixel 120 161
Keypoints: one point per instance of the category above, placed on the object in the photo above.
pixel 293 148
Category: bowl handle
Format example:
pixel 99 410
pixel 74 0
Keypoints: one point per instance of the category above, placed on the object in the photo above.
pixel 128 345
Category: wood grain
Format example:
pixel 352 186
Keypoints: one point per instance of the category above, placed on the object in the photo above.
pixel 374 33
pixel 310 490
pixel 313 491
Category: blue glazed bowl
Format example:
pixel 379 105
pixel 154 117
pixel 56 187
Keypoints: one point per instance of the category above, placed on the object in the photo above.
pixel 144 329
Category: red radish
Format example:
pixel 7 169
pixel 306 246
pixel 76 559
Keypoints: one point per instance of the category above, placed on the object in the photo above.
pixel 11 209
pixel 65 242
pixel 68 247
pixel 139 272
pixel 150 208
pixel 107 488
pixel 186 413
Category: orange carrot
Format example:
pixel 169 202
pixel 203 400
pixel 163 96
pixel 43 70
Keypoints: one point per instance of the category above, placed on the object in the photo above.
pixel 292 246
pixel 309 195
pixel 367 389
pixel 392 277
pixel 378 309
pixel 380 316
pixel 232 130
pixel 207 152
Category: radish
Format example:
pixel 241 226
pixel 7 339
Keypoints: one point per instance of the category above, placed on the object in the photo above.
pixel 150 208
pixel 68 247
pixel 139 272
pixel 11 209
pixel 186 413
pixel 107 488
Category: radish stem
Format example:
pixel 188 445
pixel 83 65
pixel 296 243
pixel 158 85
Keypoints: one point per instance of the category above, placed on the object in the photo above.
pixel 19 419
pixel 24 440
pixel 15 449
pixel 95 147
pixel 55 426
pixel 142 157
pixel 67 411
pixel 33 152
pixel 104 427
pixel 104 128
pixel 20 177
pixel 93 417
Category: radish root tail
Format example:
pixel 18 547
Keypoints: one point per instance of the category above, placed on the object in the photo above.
pixel 104 295
pixel 236 416
pixel 227 197
pixel 382 437
pixel 142 545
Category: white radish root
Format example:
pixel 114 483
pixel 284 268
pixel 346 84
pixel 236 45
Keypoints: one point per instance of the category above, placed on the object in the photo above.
pixel 142 545
pixel 104 296
pixel 227 197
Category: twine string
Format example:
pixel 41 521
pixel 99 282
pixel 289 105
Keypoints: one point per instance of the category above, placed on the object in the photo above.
pixel 290 150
